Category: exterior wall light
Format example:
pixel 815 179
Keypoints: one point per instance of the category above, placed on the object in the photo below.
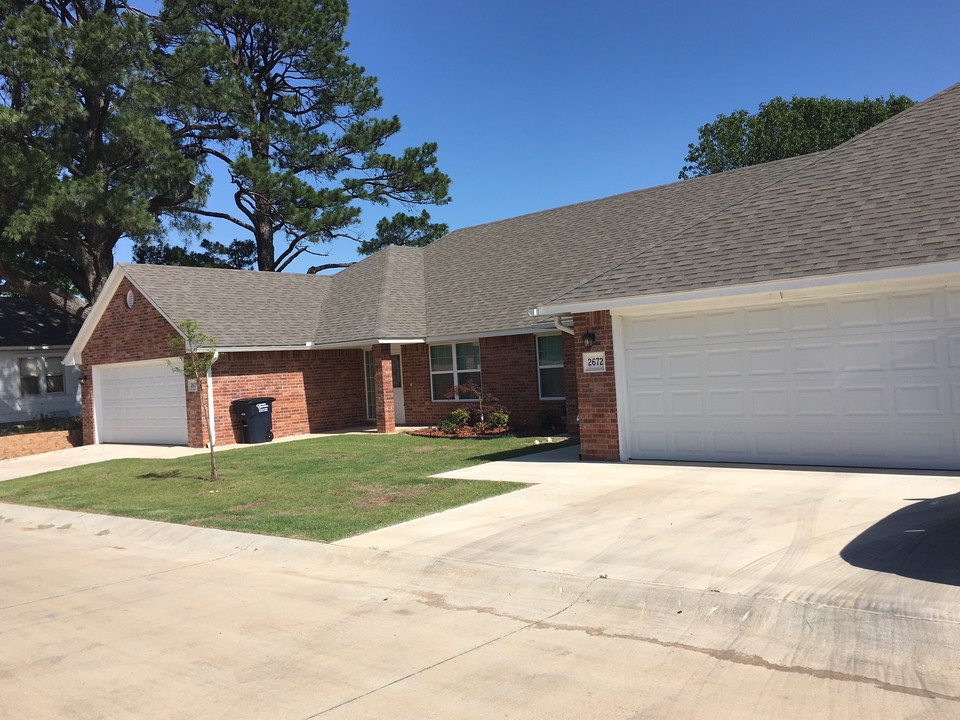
pixel 589 339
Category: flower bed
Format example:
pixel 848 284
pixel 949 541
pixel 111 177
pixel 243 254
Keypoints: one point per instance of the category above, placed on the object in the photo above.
pixel 466 432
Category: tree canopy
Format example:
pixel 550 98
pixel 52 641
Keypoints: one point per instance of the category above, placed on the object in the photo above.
pixel 784 128
pixel 298 135
pixel 85 156
pixel 115 123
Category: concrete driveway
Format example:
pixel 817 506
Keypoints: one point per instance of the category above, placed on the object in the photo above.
pixel 604 591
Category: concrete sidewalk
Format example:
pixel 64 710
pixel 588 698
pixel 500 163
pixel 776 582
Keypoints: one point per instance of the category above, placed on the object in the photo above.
pixel 603 591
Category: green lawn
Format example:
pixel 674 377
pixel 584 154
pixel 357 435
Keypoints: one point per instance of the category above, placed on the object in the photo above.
pixel 319 489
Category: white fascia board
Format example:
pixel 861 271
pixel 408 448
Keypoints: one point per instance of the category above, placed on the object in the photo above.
pixel 407 341
pixel 74 355
pixel 545 329
pixel 796 288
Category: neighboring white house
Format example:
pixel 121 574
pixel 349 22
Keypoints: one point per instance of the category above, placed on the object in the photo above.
pixel 34 382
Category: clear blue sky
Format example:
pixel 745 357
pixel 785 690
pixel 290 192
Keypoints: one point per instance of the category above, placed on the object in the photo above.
pixel 541 103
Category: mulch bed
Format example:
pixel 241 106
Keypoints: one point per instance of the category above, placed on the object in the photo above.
pixel 465 433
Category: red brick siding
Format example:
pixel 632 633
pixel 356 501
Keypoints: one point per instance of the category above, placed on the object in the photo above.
pixel 383 388
pixel 122 335
pixel 599 429
pixel 508 367
pixel 315 390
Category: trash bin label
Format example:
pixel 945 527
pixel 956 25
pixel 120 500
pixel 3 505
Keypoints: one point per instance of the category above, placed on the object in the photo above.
pixel 263 407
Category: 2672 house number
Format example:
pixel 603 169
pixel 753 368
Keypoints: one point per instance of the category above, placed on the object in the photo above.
pixel 593 362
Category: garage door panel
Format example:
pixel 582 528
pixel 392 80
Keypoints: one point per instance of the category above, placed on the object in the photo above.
pixel 142 403
pixel 858 380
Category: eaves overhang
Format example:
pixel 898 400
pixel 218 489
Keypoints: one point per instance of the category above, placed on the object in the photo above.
pixel 796 288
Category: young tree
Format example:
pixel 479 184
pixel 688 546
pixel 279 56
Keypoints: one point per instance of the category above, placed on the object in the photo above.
pixel 85 156
pixel 198 352
pixel 782 129
pixel 294 127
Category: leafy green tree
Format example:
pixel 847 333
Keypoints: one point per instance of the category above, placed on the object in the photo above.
pixel 86 157
pixel 238 255
pixel 782 129
pixel 294 126
pixel 197 353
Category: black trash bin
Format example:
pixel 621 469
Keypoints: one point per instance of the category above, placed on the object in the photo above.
pixel 256 418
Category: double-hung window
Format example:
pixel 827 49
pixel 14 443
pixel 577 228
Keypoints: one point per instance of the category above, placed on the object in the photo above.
pixel 41 375
pixel 550 367
pixel 453 365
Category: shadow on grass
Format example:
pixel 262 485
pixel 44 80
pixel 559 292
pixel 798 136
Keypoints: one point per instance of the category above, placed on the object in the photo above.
pixel 165 475
pixel 919 541
pixel 519 452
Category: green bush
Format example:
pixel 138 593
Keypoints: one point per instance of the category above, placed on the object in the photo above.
pixel 454 421
pixel 499 419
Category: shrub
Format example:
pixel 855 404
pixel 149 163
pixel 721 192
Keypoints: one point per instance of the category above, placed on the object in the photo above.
pixel 454 421
pixel 548 419
pixel 499 419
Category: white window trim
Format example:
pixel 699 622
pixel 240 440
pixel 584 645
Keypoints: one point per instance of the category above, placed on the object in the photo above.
pixel 455 371
pixel 42 376
pixel 544 367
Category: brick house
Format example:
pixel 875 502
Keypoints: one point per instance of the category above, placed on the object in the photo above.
pixel 804 311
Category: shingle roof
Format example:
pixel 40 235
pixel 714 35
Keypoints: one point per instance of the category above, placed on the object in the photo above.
pixel 890 197
pixel 487 277
pixel 380 297
pixel 27 323
pixel 237 308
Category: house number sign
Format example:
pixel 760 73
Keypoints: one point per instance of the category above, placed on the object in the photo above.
pixel 593 362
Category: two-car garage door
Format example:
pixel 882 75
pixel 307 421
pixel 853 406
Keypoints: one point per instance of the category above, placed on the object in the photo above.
pixel 140 403
pixel 869 380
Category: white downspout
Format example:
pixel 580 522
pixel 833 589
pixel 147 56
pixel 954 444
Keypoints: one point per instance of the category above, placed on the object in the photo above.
pixel 561 327
pixel 212 420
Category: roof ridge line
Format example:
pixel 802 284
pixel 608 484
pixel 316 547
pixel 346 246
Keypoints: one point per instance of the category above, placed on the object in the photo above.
pixel 385 280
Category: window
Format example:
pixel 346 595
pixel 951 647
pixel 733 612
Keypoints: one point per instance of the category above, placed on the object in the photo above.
pixel 54 374
pixel 550 367
pixel 452 365
pixel 38 373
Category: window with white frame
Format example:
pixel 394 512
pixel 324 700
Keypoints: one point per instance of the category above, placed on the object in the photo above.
pixel 41 375
pixel 550 367
pixel 452 365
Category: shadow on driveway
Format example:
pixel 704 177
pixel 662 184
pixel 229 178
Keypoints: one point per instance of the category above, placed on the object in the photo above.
pixel 921 541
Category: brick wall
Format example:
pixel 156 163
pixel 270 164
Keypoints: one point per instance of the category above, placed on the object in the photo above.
pixel 122 335
pixel 508 366
pixel 315 390
pixel 599 430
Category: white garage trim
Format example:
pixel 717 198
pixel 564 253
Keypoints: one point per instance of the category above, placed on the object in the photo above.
pixel 867 379
pixel 140 402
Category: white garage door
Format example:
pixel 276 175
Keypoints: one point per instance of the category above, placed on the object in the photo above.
pixel 140 403
pixel 863 380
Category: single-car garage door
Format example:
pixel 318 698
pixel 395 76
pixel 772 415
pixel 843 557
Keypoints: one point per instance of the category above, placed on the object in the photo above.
pixel 869 380
pixel 140 403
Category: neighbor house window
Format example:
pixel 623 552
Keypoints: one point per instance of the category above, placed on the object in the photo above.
pixel 550 367
pixel 41 374
pixel 453 365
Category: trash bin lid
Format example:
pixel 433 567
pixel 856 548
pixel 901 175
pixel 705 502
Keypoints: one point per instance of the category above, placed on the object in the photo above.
pixel 252 400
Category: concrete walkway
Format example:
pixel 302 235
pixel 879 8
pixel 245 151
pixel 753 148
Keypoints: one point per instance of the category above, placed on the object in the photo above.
pixel 603 591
